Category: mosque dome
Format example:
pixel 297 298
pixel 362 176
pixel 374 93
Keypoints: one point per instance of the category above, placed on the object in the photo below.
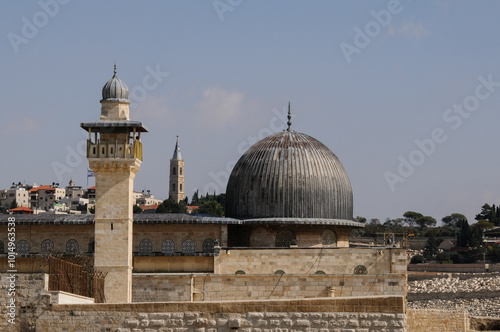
pixel 289 175
pixel 115 90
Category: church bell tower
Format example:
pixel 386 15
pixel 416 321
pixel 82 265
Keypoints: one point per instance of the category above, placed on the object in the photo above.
pixel 114 152
pixel 176 191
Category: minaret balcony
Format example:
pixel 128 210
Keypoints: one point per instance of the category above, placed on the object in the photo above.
pixel 114 150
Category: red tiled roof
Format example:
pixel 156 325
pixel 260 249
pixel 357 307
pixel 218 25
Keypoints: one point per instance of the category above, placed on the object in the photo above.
pixel 149 207
pixel 91 188
pixel 21 208
pixel 48 186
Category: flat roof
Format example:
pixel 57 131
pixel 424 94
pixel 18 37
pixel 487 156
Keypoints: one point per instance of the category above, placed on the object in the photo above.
pixel 169 218
pixel 110 125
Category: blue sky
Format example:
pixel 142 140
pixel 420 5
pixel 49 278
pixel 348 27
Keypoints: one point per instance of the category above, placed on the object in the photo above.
pixel 225 71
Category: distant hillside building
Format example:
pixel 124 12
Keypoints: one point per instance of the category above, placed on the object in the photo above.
pixel 17 192
pixel 46 197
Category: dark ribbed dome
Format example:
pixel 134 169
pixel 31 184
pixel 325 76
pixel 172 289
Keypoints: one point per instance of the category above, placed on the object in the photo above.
pixel 115 90
pixel 289 175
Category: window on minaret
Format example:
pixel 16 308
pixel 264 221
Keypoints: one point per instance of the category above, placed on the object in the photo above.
pixel 180 187
pixel 174 171
pixel 180 170
pixel 173 186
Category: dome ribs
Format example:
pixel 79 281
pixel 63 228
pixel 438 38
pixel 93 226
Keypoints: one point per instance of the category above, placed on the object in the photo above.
pixel 289 175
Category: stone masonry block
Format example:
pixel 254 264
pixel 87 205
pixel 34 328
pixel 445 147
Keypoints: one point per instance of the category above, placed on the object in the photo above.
pixel 132 323
pixel 163 315
pixel 157 323
pixel 255 315
pixel 276 314
pixel 234 322
pixel 302 323
pixel 221 322
pixel 201 321
pixel 142 316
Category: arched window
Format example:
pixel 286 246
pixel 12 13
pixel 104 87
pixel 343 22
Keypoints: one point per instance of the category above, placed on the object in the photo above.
pixel 240 272
pixel 320 272
pixel 174 171
pixel 22 247
pixel 360 269
pixel 173 186
pixel 72 247
pixel 208 246
pixel 1 247
pixel 180 187
pixel 329 239
pixel 279 272
pixel 145 247
pixel 188 247
pixel 285 238
pixel 168 247
pixel 180 170
pixel 47 247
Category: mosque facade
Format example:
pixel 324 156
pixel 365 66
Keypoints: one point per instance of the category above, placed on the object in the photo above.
pixel 289 211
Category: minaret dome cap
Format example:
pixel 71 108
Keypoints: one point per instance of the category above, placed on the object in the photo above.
pixel 115 90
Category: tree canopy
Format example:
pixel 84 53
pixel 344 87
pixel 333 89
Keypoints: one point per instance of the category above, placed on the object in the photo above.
pixel 170 206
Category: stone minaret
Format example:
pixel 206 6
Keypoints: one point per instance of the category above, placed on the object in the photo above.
pixel 176 191
pixel 114 151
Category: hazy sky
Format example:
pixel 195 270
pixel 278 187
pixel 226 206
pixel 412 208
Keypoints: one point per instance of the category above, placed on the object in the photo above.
pixel 405 93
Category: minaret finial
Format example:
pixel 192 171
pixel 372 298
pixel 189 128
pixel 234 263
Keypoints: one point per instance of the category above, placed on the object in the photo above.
pixel 289 123
pixel 114 71
pixel 177 138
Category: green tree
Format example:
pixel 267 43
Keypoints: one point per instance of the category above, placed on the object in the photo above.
pixel 464 238
pixel 426 221
pixel 211 207
pixel 360 219
pixel 136 209
pixel 394 225
pixel 411 217
pixel 195 200
pixel 373 227
pixel 489 213
pixel 170 206
pixel 431 247
pixel 417 259
pixel 453 219
pixel 13 204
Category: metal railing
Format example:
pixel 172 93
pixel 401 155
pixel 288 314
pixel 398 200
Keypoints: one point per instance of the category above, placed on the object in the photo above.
pixel 74 274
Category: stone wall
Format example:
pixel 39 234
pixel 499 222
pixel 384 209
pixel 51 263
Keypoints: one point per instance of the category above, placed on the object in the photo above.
pixel 306 236
pixel 311 260
pixel 58 234
pixel 437 320
pixel 360 314
pixel 453 268
pixel 162 288
pixel 31 298
pixel 84 235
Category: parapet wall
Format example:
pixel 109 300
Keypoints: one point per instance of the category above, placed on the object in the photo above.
pixel 371 313
pixel 161 288
pixel 31 297
pixel 454 268
pixel 311 260
pixel 437 321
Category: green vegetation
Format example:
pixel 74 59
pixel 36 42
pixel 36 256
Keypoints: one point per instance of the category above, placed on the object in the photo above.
pixel 136 209
pixel 469 237
pixel 170 206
